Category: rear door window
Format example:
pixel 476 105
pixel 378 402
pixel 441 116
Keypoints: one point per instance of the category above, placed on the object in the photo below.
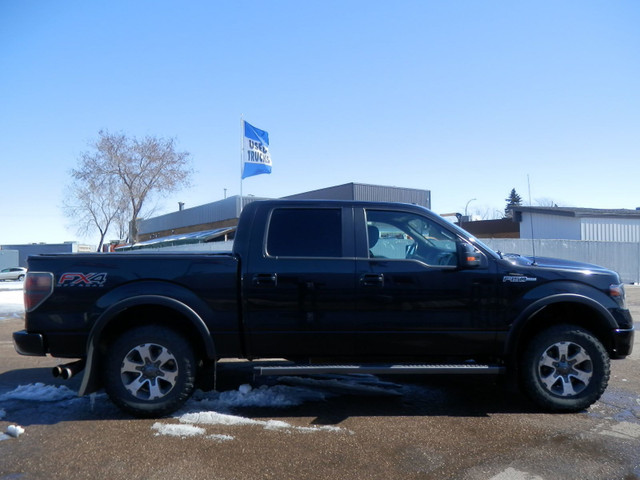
pixel 305 232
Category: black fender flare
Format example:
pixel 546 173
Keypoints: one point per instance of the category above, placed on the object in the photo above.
pixel 523 319
pixel 90 381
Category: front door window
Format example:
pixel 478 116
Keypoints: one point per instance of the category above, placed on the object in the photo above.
pixel 402 236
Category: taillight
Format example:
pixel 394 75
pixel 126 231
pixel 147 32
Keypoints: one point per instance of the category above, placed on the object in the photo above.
pixel 37 288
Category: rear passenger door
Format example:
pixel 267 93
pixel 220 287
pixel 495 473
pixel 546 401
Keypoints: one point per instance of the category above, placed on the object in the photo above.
pixel 300 284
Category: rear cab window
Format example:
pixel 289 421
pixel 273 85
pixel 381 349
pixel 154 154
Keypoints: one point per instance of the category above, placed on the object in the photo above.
pixel 305 232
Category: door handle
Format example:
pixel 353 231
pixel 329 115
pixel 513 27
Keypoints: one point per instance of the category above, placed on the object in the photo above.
pixel 265 280
pixel 372 280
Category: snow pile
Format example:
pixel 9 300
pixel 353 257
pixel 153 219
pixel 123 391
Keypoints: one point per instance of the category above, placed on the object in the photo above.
pixel 11 300
pixel 294 392
pixel 15 431
pixel 277 396
pixel 39 392
pixel 207 411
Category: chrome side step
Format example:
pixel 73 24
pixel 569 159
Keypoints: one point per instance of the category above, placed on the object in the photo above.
pixel 431 369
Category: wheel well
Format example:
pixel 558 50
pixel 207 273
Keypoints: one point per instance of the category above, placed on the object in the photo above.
pixel 567 313
pixel 152 315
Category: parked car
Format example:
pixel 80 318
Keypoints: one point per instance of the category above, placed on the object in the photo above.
pixel 13 273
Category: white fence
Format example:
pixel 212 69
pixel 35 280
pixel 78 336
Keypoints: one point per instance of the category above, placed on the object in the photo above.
pixel 624 258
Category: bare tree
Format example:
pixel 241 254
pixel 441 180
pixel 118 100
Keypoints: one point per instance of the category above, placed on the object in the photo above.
pixel 94 204
pixel 487 213
pixel 131 171
pixel 546 202
pixel 121 222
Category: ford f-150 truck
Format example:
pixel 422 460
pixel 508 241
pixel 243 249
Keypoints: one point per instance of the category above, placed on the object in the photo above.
pixel 331 287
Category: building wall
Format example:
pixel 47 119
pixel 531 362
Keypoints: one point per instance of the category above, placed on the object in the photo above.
pixel 9 258
pixel 24 251
pixel 224 213
pixel 367 193
pixel 550 226
pixel 610 229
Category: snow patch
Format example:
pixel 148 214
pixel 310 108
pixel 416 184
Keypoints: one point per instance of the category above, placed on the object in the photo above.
pixel 11 286
pixel 184 431
pixel 213 409
pixel 39 392
pixel 178 430
pixel 215 418
pixel 221 438
pixel 513 474
pixel 221 419
pixel 15 431
pixel 11 303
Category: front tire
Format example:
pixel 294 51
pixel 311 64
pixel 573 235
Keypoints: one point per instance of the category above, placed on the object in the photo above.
pixel 150 371
pixel 565 369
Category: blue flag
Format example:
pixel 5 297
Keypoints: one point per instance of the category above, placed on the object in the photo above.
pixel 256 157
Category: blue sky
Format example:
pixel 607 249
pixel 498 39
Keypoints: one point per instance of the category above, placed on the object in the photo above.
pixel 463 98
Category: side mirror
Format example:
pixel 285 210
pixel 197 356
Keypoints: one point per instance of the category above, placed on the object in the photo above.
pixel 468 256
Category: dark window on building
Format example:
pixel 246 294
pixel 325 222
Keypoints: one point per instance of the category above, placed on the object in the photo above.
pixel 305 232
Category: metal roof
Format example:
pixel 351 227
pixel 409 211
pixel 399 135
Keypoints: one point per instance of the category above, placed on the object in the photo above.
pixel 181 239
pixel 371 193
pixel 202 214
pixel 580 212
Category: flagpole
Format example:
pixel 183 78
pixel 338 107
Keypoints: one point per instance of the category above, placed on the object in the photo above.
pixel 241 155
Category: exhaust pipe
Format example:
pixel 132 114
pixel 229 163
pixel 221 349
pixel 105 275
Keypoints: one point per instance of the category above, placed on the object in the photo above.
pixel 68 370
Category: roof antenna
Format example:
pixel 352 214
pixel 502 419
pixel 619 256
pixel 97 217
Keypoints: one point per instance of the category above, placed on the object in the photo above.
pixel 533 241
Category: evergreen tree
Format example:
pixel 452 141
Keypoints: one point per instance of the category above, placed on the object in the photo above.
pixel 513 200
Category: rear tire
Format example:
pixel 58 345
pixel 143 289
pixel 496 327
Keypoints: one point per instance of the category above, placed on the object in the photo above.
pixel 565 369
pixel 150 371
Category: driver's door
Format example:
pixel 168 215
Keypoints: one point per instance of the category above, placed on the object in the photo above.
pixel 412 299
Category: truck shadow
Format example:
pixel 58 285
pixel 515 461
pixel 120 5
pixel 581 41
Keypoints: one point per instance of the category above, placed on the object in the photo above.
pixel 34 397
pixel 392 395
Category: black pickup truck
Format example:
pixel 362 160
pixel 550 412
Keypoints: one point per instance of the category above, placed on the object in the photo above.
pixel 331 287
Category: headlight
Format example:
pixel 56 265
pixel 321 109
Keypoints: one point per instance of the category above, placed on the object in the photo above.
pixel 617 293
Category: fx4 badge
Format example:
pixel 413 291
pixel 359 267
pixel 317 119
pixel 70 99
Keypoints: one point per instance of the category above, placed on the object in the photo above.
pixel 74 279
pixel 518 279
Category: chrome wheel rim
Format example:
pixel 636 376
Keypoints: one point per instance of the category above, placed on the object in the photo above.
pixel 149 371
pixel 565 369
